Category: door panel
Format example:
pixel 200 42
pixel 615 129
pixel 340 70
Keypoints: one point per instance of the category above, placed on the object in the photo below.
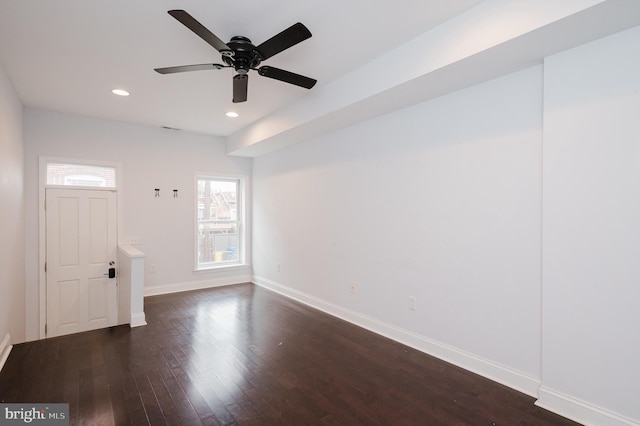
pixel 98 289
pixel 68 232
pixel 67 298
pixel 98 239
pixel 81 245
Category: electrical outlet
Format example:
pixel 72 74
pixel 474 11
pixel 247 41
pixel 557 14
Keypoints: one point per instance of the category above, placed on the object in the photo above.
pixel 134 240
pixel 278 266
pixel 353 288
pixel 153 268
pixel 412 303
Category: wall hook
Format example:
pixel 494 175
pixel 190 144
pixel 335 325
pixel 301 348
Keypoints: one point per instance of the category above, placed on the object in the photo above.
pixel 157 192
pixel 175 193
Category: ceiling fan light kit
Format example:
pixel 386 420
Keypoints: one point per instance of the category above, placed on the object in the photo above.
pixel 241 55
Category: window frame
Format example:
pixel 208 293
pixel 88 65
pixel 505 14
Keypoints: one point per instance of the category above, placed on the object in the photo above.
pixel 240 221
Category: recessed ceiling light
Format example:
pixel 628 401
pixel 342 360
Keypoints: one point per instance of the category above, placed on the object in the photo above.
pixel 231 114
pixel 120 92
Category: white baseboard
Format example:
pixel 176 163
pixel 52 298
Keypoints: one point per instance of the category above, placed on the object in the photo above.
pixel 197 285
pixel 138 320
pixel 5 349
pixel 578 410
pixel 491 370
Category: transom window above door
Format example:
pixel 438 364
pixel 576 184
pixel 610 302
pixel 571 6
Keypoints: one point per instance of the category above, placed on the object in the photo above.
pixel 59 174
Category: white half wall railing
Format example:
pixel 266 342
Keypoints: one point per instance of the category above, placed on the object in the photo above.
pixel 131 282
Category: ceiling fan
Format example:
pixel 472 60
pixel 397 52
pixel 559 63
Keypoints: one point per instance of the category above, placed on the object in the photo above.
pixel 239 53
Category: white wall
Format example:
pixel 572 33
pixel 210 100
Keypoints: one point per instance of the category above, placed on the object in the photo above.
pixel 513 221
pixel 151 158
pixel 441 201
pixel 591 319
pixel 12 305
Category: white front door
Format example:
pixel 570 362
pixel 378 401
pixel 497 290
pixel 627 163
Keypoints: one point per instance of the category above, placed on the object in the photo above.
pixel 81 248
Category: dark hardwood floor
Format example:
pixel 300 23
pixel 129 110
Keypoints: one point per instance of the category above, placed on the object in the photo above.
pixel 244 355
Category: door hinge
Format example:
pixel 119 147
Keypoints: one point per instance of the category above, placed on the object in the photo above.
pixel 45 266
pixel 45 329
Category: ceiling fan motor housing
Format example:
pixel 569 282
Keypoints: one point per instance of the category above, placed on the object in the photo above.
pixel 245 55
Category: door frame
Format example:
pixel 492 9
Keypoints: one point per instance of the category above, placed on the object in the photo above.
pixel 42 221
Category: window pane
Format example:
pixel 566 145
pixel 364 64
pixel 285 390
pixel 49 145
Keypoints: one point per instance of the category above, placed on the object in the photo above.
pixel 81 175
pixel 218 242
pixel 217 199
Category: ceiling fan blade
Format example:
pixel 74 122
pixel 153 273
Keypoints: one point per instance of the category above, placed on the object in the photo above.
pixel 284 40
pixel 240 83
pixel 183 68
pixel 200 30
pixel 287 76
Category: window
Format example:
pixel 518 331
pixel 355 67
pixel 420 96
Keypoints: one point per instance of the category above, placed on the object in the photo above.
pixel 219 230
pixel 81 175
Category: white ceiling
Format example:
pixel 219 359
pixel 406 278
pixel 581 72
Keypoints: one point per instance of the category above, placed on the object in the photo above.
pixel 67 55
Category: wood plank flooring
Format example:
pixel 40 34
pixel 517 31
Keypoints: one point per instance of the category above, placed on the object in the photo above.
pixel 244 355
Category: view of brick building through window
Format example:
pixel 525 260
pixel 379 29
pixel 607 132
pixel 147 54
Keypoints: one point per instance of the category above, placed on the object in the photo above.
pixel 218 233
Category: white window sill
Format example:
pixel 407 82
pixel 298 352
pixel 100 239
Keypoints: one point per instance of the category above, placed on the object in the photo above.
pixel 219 268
